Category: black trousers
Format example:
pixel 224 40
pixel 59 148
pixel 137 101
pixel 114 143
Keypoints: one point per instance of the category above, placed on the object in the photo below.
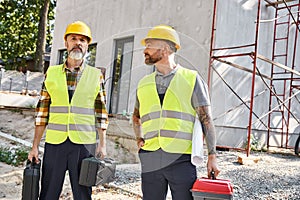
pixel 160 169
pixel 58 158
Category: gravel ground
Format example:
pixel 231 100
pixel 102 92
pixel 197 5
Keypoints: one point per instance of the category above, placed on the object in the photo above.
pixel 275 175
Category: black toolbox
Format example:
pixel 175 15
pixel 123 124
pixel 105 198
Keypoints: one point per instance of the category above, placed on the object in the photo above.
pixel 95 171
pixel 31 181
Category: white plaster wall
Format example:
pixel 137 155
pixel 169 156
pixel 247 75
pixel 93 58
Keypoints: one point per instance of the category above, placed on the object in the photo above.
pixel 114 19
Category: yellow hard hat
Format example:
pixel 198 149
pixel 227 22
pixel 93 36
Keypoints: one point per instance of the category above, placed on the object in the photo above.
pixel 163 32
pixel 80 28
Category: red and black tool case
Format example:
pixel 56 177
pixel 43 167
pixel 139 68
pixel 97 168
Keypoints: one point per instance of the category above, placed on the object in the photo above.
pixel 212 189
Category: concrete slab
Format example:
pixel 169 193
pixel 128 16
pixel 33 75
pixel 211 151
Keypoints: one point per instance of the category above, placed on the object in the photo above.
pixel 18 100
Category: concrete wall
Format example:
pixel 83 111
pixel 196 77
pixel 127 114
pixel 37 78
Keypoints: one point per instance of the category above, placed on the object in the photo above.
pixel 114 19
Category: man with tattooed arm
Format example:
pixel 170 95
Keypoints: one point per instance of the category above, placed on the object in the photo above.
pixel 168 100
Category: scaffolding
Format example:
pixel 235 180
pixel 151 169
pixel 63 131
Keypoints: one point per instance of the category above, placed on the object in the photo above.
pixel 282 63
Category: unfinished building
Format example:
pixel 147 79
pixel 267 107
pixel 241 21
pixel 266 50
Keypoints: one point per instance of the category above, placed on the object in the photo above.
pixel 246 50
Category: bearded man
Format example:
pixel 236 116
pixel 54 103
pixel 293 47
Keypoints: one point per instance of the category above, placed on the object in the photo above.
pixel 72 107
pixel 167 104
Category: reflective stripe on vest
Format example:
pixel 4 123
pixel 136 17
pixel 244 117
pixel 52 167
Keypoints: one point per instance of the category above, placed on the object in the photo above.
pixel 168 114
pixel 168 133
pixel 72 127
pixel 76 119
pixel 169 126
pixel 73 109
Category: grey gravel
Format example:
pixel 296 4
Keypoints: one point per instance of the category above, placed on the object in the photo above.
pixel 276 176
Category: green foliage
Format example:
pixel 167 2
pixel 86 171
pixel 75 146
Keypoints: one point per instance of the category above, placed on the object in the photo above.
pixel 15 110
pixel 19 21
pixel 13 156
pixel 256 144
pixel 91 59
pixel 31 106
pixel 117 143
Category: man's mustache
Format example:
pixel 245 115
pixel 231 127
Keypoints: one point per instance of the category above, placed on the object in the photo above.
pixel 76 47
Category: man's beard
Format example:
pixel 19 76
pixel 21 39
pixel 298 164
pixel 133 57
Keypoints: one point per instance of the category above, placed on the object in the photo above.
pixel 151 60
pixel 76 54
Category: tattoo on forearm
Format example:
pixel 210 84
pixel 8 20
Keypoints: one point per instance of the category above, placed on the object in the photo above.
pixel 136 113
pixel 205 118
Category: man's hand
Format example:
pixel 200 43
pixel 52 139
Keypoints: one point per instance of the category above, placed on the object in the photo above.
pixel 34 153
pixel 212 166
pixel 140 142
pixel 101 151
pixel 38 133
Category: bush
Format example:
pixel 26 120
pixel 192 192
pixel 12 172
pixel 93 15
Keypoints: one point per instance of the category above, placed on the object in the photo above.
pixel 14 155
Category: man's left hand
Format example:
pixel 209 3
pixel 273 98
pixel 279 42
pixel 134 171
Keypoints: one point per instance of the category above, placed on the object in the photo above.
pixel 212 166
pixel 101 151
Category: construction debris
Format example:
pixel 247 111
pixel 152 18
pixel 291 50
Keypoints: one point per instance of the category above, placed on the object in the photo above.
pixel 250 160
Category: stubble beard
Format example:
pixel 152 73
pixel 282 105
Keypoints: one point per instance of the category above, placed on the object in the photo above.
pixel 151 60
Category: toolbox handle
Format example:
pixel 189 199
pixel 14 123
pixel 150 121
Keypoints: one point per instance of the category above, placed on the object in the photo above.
pixel 212 175
pixel 33 163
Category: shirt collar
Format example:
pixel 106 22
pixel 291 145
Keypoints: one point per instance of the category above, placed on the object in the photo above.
pixel 79 69
pixel 172 72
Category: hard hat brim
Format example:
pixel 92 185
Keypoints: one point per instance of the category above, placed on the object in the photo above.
pixel 143 42
pixel 88 37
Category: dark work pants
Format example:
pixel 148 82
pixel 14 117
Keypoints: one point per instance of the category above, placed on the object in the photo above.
pixel 58 158
pixel 160 169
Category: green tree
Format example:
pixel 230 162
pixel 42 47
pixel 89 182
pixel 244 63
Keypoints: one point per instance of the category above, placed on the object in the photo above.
pixel 41 38
pixel 19 27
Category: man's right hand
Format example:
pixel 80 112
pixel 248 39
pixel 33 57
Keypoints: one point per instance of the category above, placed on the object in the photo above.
pixel 34 153
pixel 140 142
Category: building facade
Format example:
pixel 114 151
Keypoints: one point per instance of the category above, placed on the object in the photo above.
pixel 118 26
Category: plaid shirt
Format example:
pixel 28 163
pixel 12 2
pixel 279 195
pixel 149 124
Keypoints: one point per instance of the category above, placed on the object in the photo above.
pixel 42 109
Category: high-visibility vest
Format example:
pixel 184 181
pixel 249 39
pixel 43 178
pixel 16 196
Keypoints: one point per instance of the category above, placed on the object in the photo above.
pixel 169 126
pixel 75 119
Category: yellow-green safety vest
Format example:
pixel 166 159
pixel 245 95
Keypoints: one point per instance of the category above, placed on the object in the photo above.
pixel 75 119
pixel 169 126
